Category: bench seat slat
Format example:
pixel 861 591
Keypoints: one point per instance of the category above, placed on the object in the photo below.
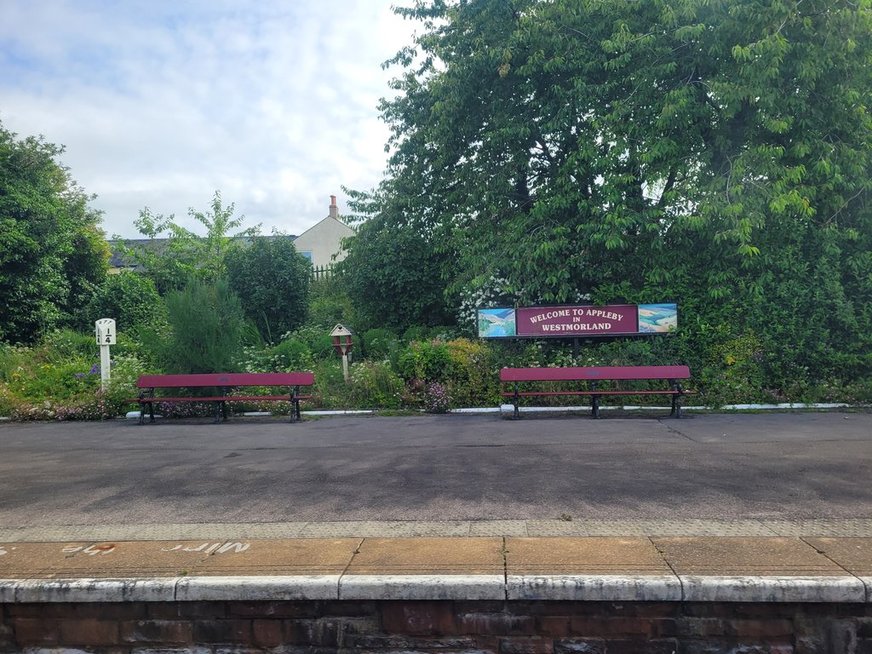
pixel 224 381
pixel 205 380
pixel 621 392
pixel 593 374
pixel 600 373
pixel 224 398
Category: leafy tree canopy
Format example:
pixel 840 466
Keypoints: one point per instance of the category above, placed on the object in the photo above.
pixel 556 138
pixel 272 281
pixel 186 254
pixel 716 152
pixel 130 298
pixel 395 267
pixel 52 250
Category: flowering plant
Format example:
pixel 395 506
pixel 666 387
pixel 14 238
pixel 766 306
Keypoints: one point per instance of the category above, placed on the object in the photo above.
pixel 436 398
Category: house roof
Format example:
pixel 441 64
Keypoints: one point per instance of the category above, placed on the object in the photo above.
pixel 327 220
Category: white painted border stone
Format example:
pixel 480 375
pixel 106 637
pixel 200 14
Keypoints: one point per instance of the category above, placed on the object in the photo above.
pixel 254 589
pixel 827 589
pixel 7 590
pixel 422 587
pixel 96 590
pixel 595 588
pixel 867 581
pixel 615 588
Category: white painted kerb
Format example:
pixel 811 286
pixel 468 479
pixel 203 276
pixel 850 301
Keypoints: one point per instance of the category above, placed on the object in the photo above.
pixel 590 588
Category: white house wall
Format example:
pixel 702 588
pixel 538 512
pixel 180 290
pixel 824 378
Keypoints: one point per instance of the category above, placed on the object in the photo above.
pixel 323 240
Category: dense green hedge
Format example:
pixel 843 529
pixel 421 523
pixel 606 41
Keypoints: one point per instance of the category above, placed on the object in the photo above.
pixel 59 378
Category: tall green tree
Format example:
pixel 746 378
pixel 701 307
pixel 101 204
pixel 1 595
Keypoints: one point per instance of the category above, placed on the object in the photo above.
pixel 182 253
pixel 396 265
pixel 52 250
pixel 272 281
pixel 716 152
pixel 207 329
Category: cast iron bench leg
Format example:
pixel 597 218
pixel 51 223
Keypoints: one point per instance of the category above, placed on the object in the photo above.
pixel 295 404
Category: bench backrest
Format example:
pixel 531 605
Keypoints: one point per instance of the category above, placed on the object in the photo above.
pixel 594 373
pixel 203 380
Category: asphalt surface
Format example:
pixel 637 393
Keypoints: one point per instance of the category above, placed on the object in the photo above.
pixel 785 466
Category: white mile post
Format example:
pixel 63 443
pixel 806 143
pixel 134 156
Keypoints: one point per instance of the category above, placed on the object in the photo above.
pixel 105 328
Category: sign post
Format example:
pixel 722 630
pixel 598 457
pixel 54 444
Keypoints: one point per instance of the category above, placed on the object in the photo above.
pixel 105 328
pixel 342 344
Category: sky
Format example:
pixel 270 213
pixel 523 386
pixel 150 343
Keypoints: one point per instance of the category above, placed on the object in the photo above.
pixel 160 104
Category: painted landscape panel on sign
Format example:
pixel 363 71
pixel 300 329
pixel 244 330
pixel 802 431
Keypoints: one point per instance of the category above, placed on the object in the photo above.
pixel 658 318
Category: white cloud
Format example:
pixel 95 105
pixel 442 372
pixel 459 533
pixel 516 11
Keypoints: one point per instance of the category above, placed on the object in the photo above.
pixel 160 104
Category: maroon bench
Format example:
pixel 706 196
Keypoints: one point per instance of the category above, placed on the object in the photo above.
pixel 591 377
pixel 226 386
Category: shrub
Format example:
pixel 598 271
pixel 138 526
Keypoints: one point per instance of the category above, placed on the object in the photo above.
pixel 207 326
pixel 41 384
pixel 318 341
pixel 375 385
pixel 291 354
pixel 271 280
pixel 471 375
pixel 329 304
pixel 62 344
pixel 424 360
pixel 129 298
pixel 331 391
pixel 436 398
pixel 379 343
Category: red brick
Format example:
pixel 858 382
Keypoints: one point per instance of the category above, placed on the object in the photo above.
pixel 645 646
pixel 496 624
pixel 113 611
pixel 701 627
pixel 759 629
pixel 346 608
pixel 323 632
pixel 175 632
pixel 418 618
pixel 162 610
pixel 393 643
pixel 41 610
pixel 222 631
pixel 267 633
pixel 580 646
pixel 554 626
pixel 213 610
pixel 34 631
pixel 611 627
pixel 494 606
pixel 89 632
pixel 272 610
pixel 519 645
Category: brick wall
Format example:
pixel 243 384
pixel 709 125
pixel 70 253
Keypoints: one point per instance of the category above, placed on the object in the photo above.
pixel 438 626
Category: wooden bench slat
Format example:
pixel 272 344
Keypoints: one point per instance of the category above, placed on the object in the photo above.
pixel 290 380
pixel 205 380
pixel 593 374
pixel 615 392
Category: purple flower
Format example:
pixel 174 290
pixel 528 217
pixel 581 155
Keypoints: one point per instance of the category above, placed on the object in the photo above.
pixel 95 369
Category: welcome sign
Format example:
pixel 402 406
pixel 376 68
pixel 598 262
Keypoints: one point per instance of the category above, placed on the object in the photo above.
pixel 577 321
